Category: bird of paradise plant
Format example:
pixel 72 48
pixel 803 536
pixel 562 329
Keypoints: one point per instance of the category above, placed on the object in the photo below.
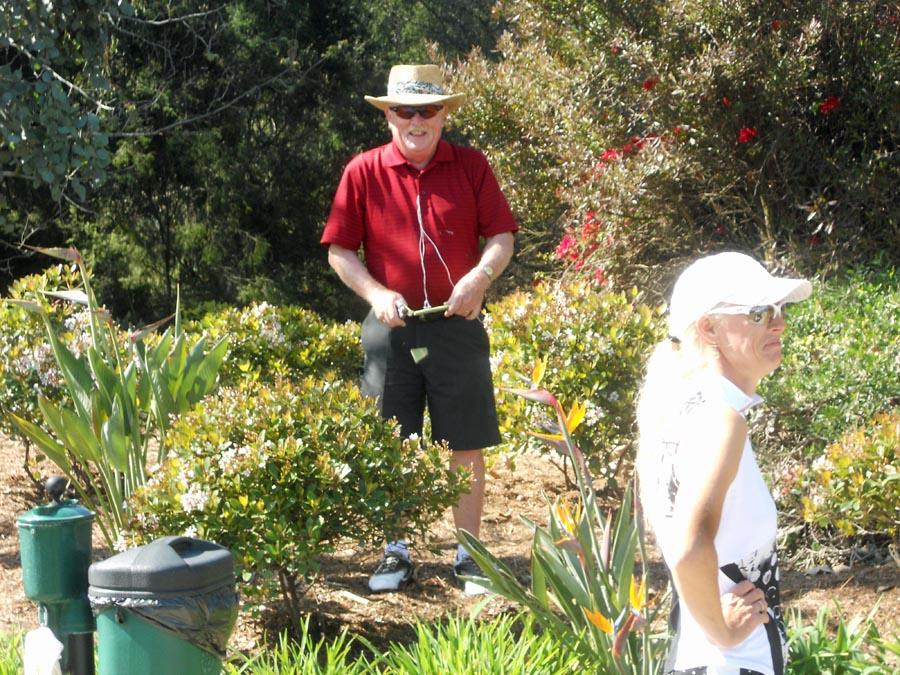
pixel 583 583
pixel 121 394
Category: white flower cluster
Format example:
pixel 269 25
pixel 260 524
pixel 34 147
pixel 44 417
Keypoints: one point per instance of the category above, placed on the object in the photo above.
pixel 231 459
pixel 593 413
pixel 39 359
pixel 147 521
pixel 270 328
pixel 194 499
pixel 79 325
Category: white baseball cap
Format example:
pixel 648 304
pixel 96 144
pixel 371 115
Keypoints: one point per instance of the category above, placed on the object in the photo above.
pixel 727 279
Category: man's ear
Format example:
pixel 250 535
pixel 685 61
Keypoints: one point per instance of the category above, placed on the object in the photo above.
pixel 706 330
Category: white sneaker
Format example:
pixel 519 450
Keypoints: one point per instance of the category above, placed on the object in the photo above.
pixel 393 572
pixel 466 567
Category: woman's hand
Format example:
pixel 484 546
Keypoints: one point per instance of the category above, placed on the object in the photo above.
pixel 744 608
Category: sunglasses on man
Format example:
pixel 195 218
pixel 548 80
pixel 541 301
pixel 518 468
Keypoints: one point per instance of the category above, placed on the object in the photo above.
pixel 407 112
pixel 758 314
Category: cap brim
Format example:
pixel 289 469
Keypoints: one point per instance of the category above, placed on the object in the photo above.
pixel 781 290
pixel 451 101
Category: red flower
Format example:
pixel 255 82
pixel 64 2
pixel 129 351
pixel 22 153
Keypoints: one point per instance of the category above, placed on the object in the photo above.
pixel 829 104
pixel 599 276
pixel 726 102
pixel 746 135
pixel 615 49
pixel 649 83
pixel 776 26
pixel 609 155
pixel 566 248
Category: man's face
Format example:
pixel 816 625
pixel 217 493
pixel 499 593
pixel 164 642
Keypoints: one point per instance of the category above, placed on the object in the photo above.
pixel 417 138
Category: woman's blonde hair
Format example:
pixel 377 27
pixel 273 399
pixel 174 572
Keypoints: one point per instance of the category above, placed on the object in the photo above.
pixel 670 369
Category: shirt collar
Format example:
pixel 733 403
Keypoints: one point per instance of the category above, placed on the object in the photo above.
pixel 736 397
pixel 394 158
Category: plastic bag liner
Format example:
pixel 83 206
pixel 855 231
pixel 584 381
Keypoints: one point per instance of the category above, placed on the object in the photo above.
pixel 206 621
pixel 181 585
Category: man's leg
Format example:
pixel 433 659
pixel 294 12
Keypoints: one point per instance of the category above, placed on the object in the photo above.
pixel 467 516
pixel 388 360
pixel 467 512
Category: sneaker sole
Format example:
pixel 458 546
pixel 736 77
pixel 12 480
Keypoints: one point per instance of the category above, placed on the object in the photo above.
pixel 472 589
pixel 389 585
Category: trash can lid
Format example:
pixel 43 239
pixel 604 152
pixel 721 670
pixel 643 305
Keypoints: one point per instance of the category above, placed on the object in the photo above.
pixel 166 565
pixel 54 513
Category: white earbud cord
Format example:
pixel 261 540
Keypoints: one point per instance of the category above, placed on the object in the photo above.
pixel 423 236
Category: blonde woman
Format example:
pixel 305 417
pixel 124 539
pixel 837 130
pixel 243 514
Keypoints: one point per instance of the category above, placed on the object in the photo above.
pixel 701 489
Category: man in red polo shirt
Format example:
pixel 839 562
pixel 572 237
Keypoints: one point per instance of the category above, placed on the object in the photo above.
pixel 420 208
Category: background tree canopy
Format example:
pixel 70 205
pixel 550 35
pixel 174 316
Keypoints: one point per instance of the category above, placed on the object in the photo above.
pixel 198 146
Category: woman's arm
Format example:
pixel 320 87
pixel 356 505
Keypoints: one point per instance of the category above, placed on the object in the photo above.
pixel 727 620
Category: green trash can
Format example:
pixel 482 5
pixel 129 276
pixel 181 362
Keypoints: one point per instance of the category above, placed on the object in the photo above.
pixel 165 608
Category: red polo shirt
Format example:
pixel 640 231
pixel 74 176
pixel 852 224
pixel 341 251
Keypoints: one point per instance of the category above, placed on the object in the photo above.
pixel 375 207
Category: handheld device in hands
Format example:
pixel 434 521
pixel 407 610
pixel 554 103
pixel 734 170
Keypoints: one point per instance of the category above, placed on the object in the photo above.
pixel 405 311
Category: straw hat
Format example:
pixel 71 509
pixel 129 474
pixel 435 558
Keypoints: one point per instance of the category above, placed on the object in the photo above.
pixel 416 85
pixel 727 279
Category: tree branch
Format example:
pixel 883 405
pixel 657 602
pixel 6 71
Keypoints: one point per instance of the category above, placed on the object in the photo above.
pixel 60 78
pixel 216 111
pixel 161 22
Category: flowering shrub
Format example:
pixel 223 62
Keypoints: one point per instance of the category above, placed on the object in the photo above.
pixel 266 342
pixel 764 128
pixel 594 344
pixel 855 485
pixel 27 364
pixel 279 472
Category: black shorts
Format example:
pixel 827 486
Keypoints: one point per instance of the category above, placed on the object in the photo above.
pixel 450 372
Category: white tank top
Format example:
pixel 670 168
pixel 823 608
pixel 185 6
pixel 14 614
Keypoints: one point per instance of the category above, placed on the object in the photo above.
pixel 745 541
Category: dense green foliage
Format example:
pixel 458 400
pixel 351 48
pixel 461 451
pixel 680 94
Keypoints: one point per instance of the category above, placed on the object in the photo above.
pixel 54 94
pixel 830 645
pixel 828 430
pixel 116 394
pixel 26 359
pixel 626 139
pixel 268 342
pixel 280 472
pixel 593 345
pixel 841 354
pixel 227 130
pixel 854 485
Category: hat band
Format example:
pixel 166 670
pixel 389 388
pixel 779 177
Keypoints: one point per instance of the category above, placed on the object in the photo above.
pixel 414 87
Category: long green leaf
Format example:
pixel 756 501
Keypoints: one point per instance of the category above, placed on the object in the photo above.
pixel 71 430
pixel 114 438
pixel 45 442
pixel 179 371
pixel 207 371
pixel 75 372
pixel 107 380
